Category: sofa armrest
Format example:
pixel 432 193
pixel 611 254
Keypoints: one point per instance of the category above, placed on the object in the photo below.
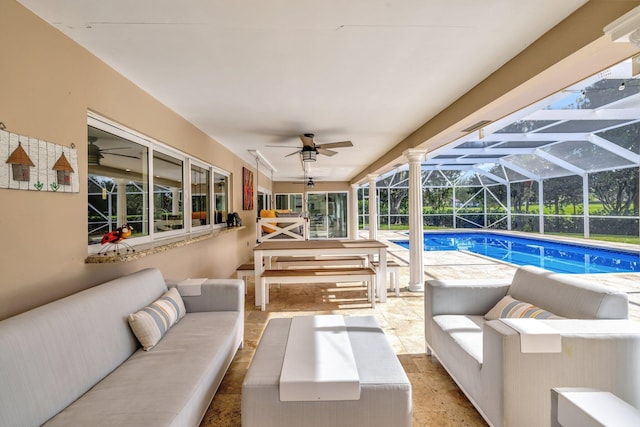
pixel 217 295
pixel 472 297
pixel 600 354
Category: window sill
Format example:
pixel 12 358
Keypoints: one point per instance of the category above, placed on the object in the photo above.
pixel 157 247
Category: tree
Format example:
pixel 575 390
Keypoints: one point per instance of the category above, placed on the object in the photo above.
pixel 438 198
pixel 558 192
pixel 617 190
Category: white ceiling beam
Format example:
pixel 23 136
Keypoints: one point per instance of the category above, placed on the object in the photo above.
pixel 615 149
pixel 490 175
pixel 490 151
pixel 446 167
pixel 551 137
pixel 599 114
pixel 562 163
pixel 520 170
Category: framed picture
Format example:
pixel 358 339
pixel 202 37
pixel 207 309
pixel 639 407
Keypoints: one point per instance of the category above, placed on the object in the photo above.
pixel 247 189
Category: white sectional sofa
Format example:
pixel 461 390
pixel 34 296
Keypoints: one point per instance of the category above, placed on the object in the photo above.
pixel 76 362
pixel 599 348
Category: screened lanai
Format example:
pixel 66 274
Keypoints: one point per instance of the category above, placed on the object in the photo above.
pixel 568 164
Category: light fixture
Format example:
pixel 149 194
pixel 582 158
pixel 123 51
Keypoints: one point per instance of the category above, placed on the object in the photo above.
pixel 621 87
pixel 309 154
pixel 310 183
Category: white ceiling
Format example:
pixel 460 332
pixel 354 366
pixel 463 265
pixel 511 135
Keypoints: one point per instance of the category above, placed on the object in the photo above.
pixel 257 73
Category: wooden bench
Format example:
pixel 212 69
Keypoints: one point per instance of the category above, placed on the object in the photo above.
pixel 319 275
pixel 319 261
pixel 244 271
pixel 394 275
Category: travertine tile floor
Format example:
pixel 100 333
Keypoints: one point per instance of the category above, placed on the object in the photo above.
pixel 437 401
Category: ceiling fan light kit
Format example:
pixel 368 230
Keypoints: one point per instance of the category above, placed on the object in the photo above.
pixel 309 153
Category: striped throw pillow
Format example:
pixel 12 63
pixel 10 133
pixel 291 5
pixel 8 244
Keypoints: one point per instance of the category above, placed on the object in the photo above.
pixel 151 323
pixel 508 307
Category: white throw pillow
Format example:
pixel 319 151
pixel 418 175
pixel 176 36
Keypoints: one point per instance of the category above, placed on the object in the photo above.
pixel 151 323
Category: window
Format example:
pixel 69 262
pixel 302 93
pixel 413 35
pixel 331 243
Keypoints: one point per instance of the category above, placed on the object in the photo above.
pixel 221 194
pixel 200 191
pixel 291 201
pixel 167 193
pixel 138 181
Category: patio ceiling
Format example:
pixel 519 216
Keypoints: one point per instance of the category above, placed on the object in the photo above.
pixel 590 127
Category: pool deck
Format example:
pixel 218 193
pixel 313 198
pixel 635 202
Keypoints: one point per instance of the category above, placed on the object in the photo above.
pixel 465 265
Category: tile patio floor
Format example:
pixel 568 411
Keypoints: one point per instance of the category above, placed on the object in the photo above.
pixel 437 401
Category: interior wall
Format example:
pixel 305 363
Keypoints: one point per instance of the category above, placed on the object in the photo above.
pixel 299 187
pixel 49 85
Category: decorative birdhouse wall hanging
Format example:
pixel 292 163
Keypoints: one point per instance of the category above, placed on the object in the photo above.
pixel 20 164
pixel 64 170
pixel 36 165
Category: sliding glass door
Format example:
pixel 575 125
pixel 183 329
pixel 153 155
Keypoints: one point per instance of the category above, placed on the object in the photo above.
pixel 328 214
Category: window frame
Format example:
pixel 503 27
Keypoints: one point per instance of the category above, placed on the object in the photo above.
pixel 154 146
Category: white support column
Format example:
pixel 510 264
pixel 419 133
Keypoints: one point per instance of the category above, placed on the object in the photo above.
pixel 175 201
pixel 353 226
pixel 373 207
pixel 541 206
pixel 585 205
pixel 416 225
pixel 508 206
pixel 121 206
pixel 455 208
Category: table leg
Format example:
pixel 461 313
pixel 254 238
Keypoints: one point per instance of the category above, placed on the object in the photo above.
pixel 258 269
pixel 372 287
pixel 382 274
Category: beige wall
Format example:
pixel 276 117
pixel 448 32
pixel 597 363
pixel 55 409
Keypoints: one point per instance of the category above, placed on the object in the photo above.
pixel 299 187
pixel 48 85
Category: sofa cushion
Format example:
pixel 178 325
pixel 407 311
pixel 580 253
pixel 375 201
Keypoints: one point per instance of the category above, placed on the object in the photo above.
pixel 464 331
pixel 166 386
pixel 509 307
pixel 53 354
pixel 268 213
pixel 568 295
pixel 152 322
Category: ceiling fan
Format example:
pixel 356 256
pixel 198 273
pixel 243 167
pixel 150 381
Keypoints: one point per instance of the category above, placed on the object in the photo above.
pixel 310 149
pixel 95 153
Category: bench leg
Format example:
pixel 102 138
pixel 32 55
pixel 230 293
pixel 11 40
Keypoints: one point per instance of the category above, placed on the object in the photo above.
pixel 265 290
pixel 395 280
pixel 244 276
pixel 372 284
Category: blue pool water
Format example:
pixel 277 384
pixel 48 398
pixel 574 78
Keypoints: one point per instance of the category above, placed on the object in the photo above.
pixel 551 255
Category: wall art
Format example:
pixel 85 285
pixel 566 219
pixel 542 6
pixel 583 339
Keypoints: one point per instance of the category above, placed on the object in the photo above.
pixel 28 163
pixel 247 189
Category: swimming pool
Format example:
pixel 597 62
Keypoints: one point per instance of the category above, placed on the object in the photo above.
pixel 551 255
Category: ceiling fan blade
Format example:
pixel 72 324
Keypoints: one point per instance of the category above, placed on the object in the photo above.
pixel 336 144
pixel 327 152
pixel 282 146
pixel 295 152
pixel 114 148
pixel 122 155
pixel 307 140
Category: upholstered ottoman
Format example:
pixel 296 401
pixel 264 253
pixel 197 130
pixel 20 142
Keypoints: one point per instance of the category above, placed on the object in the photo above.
pixel 385 390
